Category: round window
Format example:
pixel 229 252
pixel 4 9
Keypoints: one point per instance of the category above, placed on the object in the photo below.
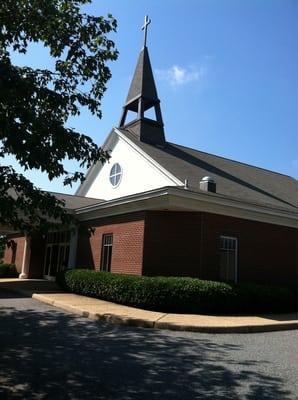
pixel 115 174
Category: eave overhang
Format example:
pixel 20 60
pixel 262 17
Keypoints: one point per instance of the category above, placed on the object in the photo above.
pixel 7 230
pixel 179 199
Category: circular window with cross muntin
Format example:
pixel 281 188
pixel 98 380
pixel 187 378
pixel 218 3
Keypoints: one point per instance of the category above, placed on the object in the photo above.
pixel 115 174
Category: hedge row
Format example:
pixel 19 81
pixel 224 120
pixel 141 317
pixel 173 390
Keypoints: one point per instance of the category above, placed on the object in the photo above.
pixel 175 294
pixel 8 271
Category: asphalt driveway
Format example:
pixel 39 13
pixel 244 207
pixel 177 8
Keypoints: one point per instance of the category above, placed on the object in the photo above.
pixel 46 353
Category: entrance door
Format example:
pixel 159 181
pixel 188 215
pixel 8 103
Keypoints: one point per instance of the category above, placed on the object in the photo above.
pixel 56 254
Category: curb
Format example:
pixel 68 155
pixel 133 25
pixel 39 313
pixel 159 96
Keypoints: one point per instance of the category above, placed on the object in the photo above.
pixel 158 324
pixel 228 329
pixel 104 317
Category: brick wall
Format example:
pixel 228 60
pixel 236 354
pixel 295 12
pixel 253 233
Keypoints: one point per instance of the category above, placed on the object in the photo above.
pixel 267 253
pixel 187 244
pixel 128 240
pixel 20 242
pixel 172 243
pixel 179 243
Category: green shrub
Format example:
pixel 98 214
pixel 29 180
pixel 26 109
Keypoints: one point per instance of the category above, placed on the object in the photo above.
pixel 8 271
pixel 175 294
pixel 265 298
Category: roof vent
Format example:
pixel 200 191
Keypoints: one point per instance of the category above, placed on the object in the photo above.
pixel 208 184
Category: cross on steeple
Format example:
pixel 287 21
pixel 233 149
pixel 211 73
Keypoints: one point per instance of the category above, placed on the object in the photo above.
pixel 147 21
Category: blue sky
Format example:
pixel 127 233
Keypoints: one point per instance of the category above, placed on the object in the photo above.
pixel 226 75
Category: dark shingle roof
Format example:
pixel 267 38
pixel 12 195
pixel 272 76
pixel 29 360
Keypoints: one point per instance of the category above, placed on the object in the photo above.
pixel 72 202
pixel 143 82
pixel 234 179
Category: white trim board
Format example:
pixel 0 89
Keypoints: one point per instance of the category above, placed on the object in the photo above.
pixel 140 172
pixel 177 199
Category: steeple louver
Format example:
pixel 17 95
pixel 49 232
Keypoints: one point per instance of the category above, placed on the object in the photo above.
pixel 142 96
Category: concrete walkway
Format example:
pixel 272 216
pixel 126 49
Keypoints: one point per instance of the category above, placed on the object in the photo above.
pixel 48 292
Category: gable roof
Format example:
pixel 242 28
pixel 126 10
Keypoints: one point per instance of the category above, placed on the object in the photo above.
pixel 72 201
pixel 234 179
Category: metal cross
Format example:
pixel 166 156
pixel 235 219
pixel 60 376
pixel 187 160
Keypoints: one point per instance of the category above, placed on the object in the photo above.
pixel 147 21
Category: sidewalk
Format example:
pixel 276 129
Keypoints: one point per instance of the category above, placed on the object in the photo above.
pixel 48 292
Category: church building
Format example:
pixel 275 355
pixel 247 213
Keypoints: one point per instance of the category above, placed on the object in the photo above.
pixel 163 209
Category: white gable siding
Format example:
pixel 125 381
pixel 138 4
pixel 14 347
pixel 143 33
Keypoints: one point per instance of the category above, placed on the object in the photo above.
pixel 139 174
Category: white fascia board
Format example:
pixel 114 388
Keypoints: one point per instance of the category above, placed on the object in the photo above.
pixel 172 198
pixel 161 169
pixel 108 145
pixel 92 172
pixel 153 200
pixel 234 209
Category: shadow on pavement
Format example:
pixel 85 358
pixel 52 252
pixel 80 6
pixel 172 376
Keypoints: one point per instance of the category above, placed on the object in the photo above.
pixel 28 287
pixel 47 354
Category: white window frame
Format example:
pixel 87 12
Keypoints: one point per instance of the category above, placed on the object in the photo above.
pixel 115 175
pixel 106 247
pixel 234 238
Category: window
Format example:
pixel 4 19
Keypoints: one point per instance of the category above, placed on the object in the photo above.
pixel 228 258
pixel 106 252
pixel 115 174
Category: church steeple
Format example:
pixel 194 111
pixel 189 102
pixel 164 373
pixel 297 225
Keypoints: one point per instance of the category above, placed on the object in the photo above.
pixel 142 96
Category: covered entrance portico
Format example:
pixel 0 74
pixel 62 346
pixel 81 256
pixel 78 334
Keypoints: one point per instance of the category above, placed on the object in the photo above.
pixel 19 251
pixel 40 256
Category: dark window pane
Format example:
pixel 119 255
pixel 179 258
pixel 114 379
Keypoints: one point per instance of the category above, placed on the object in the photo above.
pixel 47 261
pixel 61 258
pixel 66 257
pixel 106 252
pixel 228 259
pixel 54 260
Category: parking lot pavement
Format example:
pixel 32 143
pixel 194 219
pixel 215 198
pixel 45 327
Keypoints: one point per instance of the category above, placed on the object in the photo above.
pixel 46 353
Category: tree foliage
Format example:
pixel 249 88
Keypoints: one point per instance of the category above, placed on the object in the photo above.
pixel 35 104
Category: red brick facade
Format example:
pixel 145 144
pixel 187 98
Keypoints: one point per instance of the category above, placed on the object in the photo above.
pixel 128 243
pixel 36 256
pixel 182 244
pixel 172 243
pixel 8 254
pixel 187 244
pixel 266 253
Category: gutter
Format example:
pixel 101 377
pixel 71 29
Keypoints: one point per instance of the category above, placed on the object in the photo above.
pixel 180 199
